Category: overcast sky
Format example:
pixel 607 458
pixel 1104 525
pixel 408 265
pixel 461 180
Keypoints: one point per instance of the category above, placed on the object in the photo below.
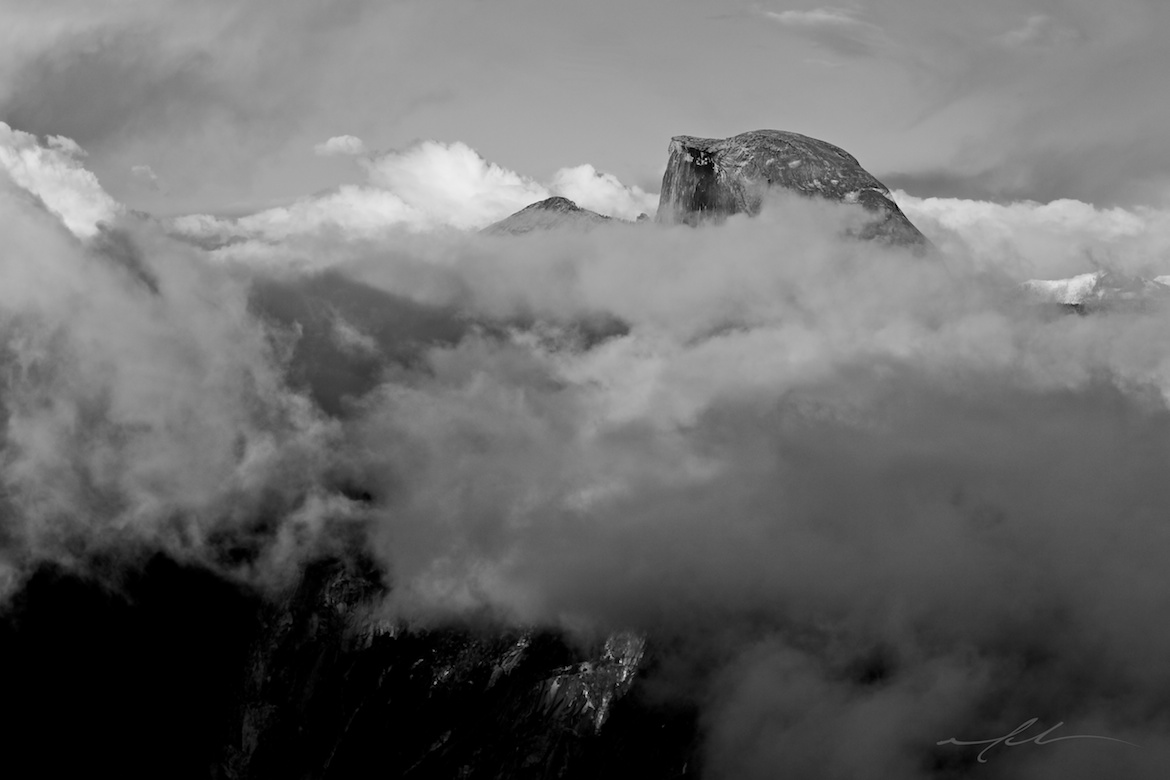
pixel 217 106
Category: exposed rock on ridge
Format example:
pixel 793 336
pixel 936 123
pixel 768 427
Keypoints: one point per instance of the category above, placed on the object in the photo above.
pixel 715 178
pixel 334 692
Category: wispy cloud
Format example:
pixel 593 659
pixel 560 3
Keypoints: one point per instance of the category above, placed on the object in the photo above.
pixel 817 17
pixel 146 175
pixel 840 30
pixel 340 145
pixel 1038 31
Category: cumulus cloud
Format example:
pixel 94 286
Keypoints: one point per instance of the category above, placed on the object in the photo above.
pixel 54 173
pixel 427 186
pixel 452 183
pixel 346 145
pixel 602 192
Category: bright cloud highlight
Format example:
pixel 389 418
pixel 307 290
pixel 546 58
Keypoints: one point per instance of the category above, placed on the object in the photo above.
pixel 54 173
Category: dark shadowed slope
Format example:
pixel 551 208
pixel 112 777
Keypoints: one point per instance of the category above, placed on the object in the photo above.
pixel 134 665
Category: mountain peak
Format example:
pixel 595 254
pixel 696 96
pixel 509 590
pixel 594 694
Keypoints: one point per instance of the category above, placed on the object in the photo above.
pixel 555 203
pixel 716 177
pixel 554 212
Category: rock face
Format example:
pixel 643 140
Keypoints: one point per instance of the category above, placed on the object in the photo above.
pixel 331 692
pixel 708 178
pixel 555 212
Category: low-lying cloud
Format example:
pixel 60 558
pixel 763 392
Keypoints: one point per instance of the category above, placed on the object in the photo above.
pixel 865 501
pixel 1046 240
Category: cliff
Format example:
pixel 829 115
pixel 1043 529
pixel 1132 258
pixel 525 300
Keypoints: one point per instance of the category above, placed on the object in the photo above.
pixel 708 178
pixel 140 666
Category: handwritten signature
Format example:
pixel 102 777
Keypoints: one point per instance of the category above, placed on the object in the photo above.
pixel 1039 739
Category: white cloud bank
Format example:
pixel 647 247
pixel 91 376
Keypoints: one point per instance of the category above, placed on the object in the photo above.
pixel 1057 240
pixel 1038 31
pixel 451 184
pixel 427 186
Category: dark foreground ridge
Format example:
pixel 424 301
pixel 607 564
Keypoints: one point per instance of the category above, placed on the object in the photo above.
pixel 709 178
pixel 554 212
pixel 152 668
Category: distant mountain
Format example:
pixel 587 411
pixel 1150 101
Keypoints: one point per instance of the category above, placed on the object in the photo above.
pixel 555 212
pixel 1099 290
pixel 708 178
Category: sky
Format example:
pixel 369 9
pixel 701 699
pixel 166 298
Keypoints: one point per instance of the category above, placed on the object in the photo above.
pixel 864 499
pixel 217 107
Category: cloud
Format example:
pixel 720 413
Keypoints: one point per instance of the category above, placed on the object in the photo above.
pixel 602 192
pixel 817 18
pixel 146 175
pixel 346 145
pixel 1038 31
pixel 427 186
pixel 452 183
pixel 1053 240
pixel 837 29
pixel 825 468
pixel 178 84
pixel 55 175
pixel 1026 106
pixel 861 501
pixel 119 70
pixel 134 412
pixel 351 210
pixel 1120 172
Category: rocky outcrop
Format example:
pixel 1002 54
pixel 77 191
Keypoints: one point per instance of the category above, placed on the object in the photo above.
pixel 555 212
pixel 332 691
pixel 708 178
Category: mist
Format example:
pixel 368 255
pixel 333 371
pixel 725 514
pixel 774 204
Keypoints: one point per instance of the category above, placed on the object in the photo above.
pixel 862 500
